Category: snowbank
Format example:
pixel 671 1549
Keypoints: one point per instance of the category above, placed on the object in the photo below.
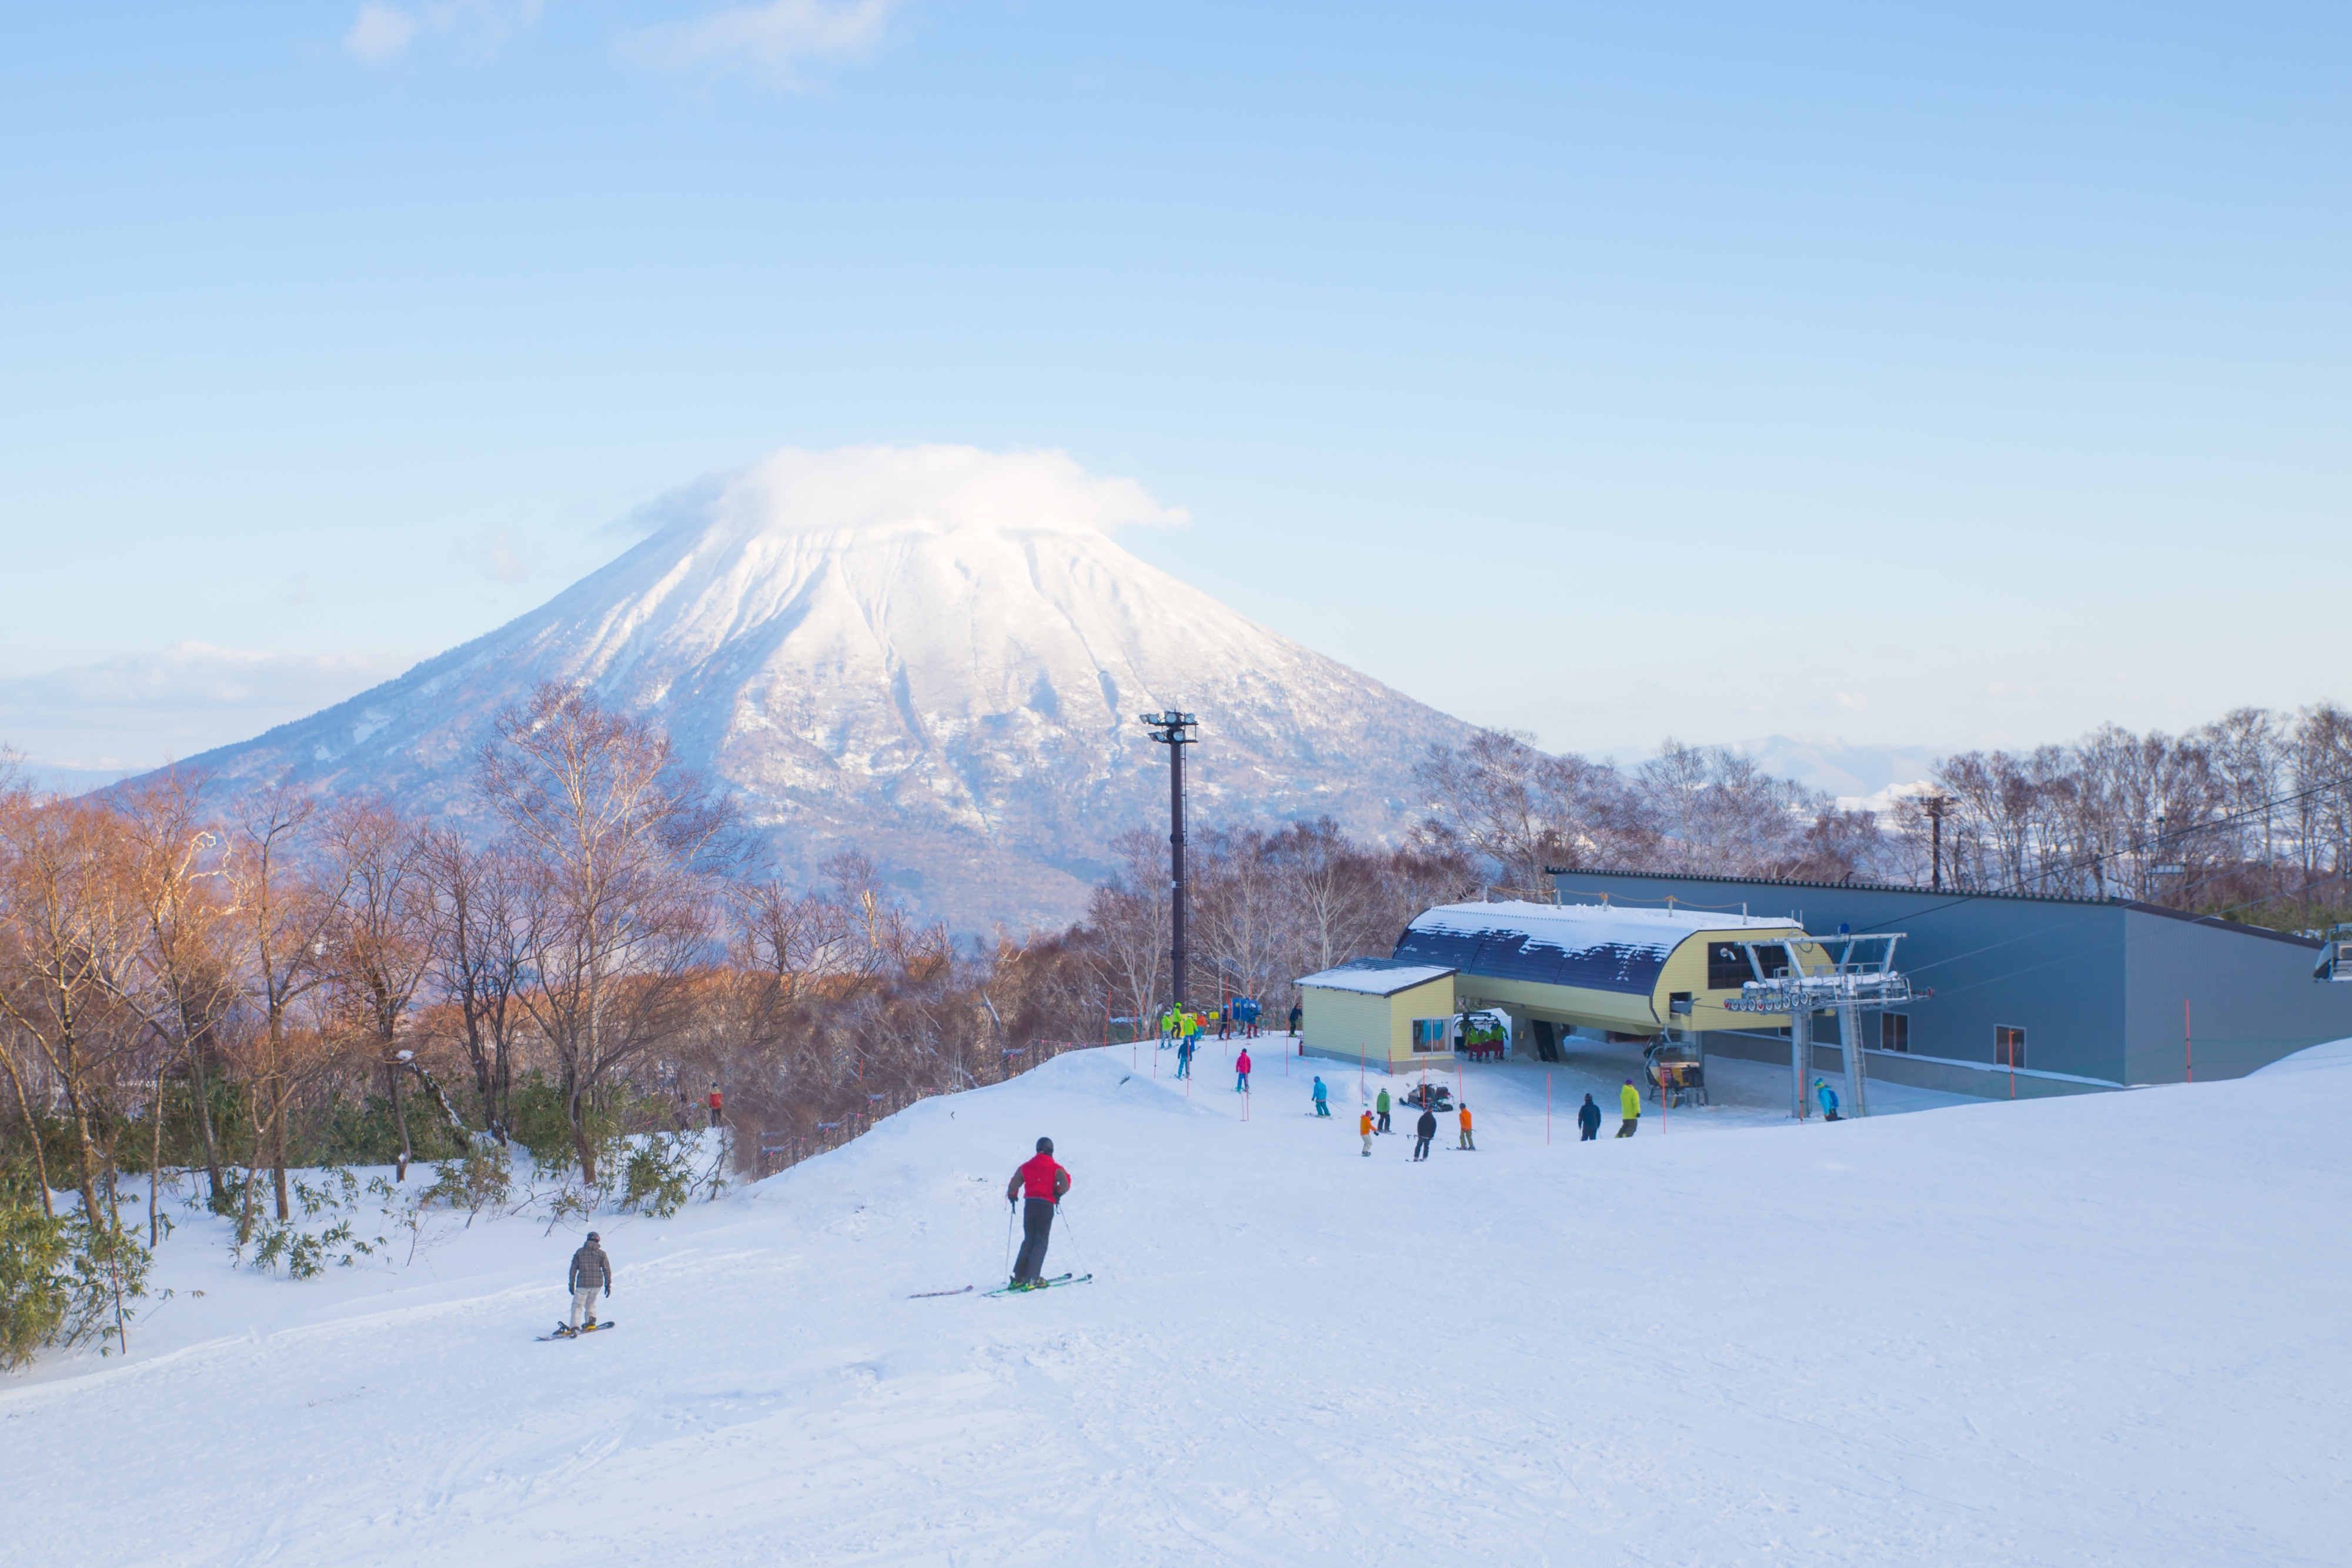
pixel 2097 1330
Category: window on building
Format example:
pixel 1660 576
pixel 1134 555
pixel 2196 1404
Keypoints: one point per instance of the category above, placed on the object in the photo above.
pixel 1727 968
pixel 1894 1032
pixel 1433 1035
pixel 2007 1046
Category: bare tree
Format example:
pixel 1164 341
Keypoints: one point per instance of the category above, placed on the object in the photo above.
pixel 284 918
pixel 620 848
pixel 480 950
pixel 379 945
pixel 1527 810
pixel 67 935
pixel 185 974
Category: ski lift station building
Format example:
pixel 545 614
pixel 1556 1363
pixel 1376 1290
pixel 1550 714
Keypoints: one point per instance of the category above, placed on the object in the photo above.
pixel 2017 994
pixel 1555 968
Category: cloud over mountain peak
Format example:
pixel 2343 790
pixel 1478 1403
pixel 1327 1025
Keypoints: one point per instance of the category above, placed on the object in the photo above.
pixel 917 488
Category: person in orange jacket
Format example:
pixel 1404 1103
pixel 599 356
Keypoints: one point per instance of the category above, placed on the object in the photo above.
pixel 1364 1125
pixel 1466 1126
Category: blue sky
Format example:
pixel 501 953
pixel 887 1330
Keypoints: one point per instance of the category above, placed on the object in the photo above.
pixel 1931 375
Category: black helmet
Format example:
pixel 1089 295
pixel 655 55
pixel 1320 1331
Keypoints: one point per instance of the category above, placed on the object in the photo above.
pixel 593 1237
pixel 1044 1146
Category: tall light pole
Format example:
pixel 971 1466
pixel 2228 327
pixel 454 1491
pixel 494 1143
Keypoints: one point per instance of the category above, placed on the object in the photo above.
pixel 1173 729
pixel 1936 806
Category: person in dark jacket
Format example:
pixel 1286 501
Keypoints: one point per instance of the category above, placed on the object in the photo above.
pixel 591 1271
pixel 1588 1117
pixel 1424 1131
pixel 1041 1184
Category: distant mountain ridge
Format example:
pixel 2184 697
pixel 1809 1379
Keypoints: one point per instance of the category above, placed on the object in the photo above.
pixel 917 652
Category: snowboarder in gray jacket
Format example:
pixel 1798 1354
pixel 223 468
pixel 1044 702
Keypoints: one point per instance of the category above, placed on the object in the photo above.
pixel 591 1271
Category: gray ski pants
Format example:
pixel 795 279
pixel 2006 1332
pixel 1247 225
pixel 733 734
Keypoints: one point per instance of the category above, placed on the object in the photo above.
pixel 583 1305
pixel 1036 1227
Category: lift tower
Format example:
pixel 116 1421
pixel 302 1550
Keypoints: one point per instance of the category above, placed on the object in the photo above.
pixel 1174 730
pixel 1852 984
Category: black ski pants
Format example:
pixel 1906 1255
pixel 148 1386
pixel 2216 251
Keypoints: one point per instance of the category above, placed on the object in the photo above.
pixel 1037 1220
pixel 1590 1132
pixel 1384 1123
pixel 1421 1148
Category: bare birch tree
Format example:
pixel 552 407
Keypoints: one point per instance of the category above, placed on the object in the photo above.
pixel 620 848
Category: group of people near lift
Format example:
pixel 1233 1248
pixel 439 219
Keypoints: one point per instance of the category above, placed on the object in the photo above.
pixel 1237 1016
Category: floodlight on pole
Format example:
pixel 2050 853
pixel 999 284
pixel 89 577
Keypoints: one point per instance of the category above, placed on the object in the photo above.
pixel 1174 730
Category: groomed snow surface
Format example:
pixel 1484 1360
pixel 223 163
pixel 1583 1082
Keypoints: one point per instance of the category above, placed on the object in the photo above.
pixel 2101 1330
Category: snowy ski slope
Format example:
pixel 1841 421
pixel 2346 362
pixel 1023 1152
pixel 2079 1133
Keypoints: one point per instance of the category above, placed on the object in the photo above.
pixel 2105 1330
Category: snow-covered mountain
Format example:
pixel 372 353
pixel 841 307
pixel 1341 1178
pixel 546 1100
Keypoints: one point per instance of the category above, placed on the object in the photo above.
pixel 935 654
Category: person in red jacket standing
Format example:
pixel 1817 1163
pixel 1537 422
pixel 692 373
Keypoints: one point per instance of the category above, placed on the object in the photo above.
pixel 1242 1066
pixel 717 1103
pixel 1042 1183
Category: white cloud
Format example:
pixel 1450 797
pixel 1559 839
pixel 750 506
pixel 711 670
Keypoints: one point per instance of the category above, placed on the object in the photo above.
pixel 137 710
pixel 768 41
pixel 797 491
pixel 384 32
pixel 380 32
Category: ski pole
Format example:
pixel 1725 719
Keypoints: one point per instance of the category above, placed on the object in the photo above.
pixel 1077 1253
pixel 1008 1237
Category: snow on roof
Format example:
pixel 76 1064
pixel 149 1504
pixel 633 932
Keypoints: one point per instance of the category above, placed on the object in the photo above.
pixel 1375 977
pixel 1594 947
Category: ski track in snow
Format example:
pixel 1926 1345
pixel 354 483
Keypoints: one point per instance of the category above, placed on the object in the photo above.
pixel 2105 1330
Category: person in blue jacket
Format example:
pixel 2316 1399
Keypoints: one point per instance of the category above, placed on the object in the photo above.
pixel 1322 1099
pixel 1827 1098
pixel 1184 1057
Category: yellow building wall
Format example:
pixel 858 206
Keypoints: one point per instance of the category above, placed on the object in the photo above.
pixel 1377 1029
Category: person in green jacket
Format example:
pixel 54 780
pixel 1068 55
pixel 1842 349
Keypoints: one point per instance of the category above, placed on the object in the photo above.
pixel 1629 1102
pixel 1382 1105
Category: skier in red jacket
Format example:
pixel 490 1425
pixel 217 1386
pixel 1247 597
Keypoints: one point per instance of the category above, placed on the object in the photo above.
pixel 1042 1183
pixel 1242 1065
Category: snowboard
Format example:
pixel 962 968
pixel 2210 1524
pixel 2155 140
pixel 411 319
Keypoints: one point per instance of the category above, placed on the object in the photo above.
pixel 591 1328
pixel 1041 1285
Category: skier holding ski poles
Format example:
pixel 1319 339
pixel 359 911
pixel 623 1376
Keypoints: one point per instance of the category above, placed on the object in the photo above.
pixel 1043 1184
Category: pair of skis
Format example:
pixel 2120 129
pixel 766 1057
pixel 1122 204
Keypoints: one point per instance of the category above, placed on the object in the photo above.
pixel 1004 1289
pixel 1057 1280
